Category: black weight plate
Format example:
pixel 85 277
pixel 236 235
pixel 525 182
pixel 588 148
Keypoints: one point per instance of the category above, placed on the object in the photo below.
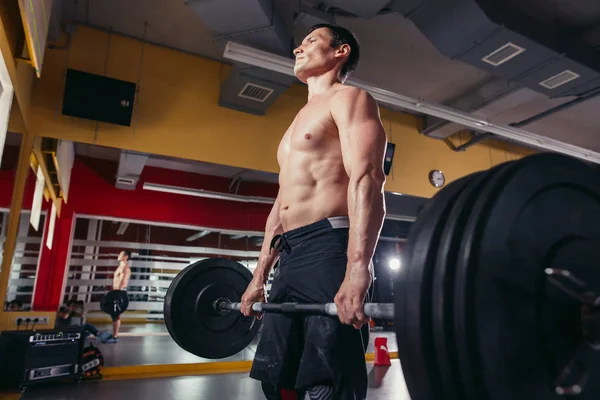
pixel 412 297
pixel 523 216
pixel 443 285
pixel 190 316
pixel 115 302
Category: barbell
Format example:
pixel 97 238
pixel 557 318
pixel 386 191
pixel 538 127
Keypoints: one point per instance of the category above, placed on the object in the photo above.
pixel 498 297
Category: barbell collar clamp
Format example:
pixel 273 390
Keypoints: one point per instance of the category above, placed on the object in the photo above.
pixel 220 306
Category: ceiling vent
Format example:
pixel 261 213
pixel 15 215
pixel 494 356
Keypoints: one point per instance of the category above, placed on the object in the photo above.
pixel 503 54
pixel 130 168
pixel 255 92
pixel 252 90
pixel 559 79
pixel 125 181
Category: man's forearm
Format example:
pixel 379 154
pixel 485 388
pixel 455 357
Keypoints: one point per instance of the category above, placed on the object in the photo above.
pixel 366 208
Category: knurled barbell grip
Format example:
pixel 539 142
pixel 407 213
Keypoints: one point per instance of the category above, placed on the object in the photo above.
pixel 372 310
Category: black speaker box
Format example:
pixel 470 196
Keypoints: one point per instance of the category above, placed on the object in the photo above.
pixel 98 98
pixel 29 358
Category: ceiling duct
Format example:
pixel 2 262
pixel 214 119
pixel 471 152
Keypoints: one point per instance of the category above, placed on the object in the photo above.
pixel 507 44
pixel 255 23
pixel 360 8
pixel 309 16
pixel 491 100
pixel 131 166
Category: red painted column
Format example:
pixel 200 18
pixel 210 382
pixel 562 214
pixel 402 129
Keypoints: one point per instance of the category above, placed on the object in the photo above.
pixel 53 267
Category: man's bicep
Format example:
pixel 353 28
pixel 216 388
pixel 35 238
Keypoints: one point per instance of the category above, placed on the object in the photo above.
pixel 361 133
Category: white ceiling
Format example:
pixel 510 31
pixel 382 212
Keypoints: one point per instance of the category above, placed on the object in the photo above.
pixel 395 55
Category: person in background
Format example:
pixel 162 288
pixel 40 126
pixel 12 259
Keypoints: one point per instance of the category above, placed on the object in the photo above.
pixel 15 305
pixel 120 282
pixel 72 314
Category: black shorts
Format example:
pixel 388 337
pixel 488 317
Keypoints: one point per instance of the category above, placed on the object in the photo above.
pixel 115 313
pixel 302 351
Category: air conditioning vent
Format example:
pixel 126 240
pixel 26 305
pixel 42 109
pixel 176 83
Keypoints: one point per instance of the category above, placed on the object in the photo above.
pixel 255 92
pixel 125 181
pixel 503 54
pixel 560 79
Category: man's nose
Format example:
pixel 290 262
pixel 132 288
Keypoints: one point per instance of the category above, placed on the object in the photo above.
pixel 297 51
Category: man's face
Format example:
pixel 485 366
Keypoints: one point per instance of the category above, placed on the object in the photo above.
pixel 315 56
pixel 122 256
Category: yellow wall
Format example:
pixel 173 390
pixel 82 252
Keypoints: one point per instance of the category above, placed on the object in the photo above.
pixel 177 114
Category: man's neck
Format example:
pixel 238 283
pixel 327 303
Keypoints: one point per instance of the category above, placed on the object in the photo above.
pixel 320 84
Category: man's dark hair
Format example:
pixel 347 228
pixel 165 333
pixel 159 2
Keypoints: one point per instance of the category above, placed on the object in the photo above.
pixel 127 253
pixel 340 36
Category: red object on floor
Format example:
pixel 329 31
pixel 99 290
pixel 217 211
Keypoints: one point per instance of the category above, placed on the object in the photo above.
pixel 382 355
pixel 287 394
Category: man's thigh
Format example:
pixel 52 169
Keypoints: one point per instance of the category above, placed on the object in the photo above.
pixel 334 354
pixel 280 344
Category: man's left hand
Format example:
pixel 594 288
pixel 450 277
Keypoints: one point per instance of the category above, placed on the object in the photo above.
pixel 349 300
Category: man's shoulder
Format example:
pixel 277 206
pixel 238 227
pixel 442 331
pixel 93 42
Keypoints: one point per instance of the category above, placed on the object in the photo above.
pixel 349 103
pixel 351 92
pixel 351 96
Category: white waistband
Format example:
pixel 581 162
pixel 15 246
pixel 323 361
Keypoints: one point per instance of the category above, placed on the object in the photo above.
pixel 339 222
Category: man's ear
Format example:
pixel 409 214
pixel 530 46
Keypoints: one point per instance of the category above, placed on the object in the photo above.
pixel 343 51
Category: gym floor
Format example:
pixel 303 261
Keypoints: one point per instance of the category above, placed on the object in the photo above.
pixel 384 383
pixel 148 344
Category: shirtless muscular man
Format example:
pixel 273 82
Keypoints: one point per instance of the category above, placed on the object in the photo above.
pixel 324 227
pixel 120 282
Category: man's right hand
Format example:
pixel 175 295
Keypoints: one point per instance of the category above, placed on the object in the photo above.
pixel 254 293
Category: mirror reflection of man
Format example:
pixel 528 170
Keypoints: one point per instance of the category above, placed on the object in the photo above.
pixel 120 282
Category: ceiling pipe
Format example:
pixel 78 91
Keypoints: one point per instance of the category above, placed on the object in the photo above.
pixel 561 107
pixel 478 138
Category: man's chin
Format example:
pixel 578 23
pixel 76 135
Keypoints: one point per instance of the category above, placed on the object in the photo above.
pixel 301 76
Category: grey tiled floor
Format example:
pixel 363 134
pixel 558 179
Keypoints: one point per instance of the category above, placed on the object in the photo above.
pixel 385 383
pixel 151 344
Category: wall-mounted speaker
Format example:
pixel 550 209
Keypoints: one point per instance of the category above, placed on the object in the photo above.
pixel 98 98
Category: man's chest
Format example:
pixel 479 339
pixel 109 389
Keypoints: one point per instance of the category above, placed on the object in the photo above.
pixel 313 128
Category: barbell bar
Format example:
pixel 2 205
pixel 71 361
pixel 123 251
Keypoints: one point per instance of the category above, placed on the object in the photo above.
pixel 497 297
pixel 371 310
